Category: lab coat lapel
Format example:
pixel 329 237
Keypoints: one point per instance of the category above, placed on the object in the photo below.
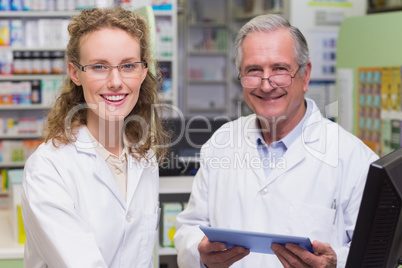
pixel 310 138
pixel 259 172
pixel 101 170
pixel 252 151
pixel 135 169
pixel 104 174
pixel 293 156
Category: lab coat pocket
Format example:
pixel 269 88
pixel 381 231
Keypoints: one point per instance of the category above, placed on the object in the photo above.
pixel 314 222
pixel 148 231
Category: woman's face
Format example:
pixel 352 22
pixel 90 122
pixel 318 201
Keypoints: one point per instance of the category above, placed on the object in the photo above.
pixel 111 97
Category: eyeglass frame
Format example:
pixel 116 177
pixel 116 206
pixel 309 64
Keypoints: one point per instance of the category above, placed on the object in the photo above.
pixel 269 81
pixel 82 67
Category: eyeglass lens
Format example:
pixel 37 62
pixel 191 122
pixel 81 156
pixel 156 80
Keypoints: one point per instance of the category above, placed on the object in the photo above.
pixel 126 70
pixel 280 80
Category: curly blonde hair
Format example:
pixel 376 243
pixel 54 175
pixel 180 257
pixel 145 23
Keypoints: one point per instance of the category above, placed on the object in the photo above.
pixel 71 98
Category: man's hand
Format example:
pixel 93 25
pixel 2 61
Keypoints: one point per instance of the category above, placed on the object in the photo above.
pixel 295 256
pixel 215 255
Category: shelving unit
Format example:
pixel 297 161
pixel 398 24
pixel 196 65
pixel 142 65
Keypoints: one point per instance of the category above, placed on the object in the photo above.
pixel 247 12
pixel 160 16
pixel 12 165
pixel 383 6
pixel 11 253
pixel 20 136
pixel 166 52
pixel 172 189
pixel 169 58
pixel 37 14
pixel 207 59
pixel 175 185
pixel 28 77
pixel 23 107
pixel 38 110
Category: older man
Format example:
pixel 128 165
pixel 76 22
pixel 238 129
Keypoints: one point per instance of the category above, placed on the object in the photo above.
pixel 283 170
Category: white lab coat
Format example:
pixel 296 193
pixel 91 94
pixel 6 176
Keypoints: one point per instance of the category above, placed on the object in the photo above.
pixel 74 213
pixel 325 164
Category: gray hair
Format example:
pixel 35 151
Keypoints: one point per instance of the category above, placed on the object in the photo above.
pixel 271 22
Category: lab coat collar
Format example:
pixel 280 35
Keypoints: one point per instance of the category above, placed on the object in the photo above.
pixel 310 136
pixel 311 130
pixel 83 142
pixel 101 171
pixel 254 130
pixel 138 170
pixel 135 168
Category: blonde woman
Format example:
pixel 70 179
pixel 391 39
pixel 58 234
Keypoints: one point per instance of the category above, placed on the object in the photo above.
pixel 90 192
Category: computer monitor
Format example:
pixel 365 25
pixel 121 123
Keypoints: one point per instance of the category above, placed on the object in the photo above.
pixel 187 135
pixel 377 239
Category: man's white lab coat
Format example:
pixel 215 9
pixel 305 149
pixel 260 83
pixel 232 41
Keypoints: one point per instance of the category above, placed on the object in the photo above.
pixel 315 190
pixel 75 216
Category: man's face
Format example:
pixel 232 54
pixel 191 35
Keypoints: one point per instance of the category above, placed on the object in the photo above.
pixel 270 53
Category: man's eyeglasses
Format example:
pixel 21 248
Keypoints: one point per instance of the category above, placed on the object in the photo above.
pixel 276 80
pixel 102 71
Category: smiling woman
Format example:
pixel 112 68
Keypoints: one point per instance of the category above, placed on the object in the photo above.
pixel 90 192
pixel 111 94
pixel 91 35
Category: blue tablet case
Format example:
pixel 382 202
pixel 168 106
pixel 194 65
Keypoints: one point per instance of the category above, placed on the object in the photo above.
pixel 255 242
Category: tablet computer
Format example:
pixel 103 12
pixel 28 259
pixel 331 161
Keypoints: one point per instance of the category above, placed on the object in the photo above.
pixel 254 241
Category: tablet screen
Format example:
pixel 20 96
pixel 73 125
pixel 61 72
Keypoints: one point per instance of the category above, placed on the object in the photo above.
pixel 254 241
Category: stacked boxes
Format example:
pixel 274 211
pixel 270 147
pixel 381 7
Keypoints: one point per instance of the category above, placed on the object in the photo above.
pixel 17 226
pixel 379 112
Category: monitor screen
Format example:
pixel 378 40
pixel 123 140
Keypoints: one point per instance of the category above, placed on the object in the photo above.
pixel 377 239
pixel 187 135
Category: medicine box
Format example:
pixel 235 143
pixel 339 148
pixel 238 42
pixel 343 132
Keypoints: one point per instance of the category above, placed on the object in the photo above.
pixel 15 190
pixel 168 222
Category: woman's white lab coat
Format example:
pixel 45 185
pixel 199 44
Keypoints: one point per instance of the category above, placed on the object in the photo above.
pixel 314 192
pixel 75 216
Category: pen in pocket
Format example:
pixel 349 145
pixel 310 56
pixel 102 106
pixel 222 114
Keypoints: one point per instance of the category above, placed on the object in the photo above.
pixel 334 206
pixel 158 211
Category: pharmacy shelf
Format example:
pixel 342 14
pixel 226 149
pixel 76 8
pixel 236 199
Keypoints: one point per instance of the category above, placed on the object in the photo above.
pixel 32 48
pixel 20 136
pixel 175 184
pixel 38 14
pixel 384 9
pixel 26 77
pixel 391 115
pixel 27 107
pixel 165 99
pixel 9 248
pixel 165 58
pixel 170 15
pixel 166 251
pixel 12 164
pixel 206 52
pixel 207 109
pixel 171 186
pixel 161 13
pixel 208 25
pixel 206 82
pixel 239 15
